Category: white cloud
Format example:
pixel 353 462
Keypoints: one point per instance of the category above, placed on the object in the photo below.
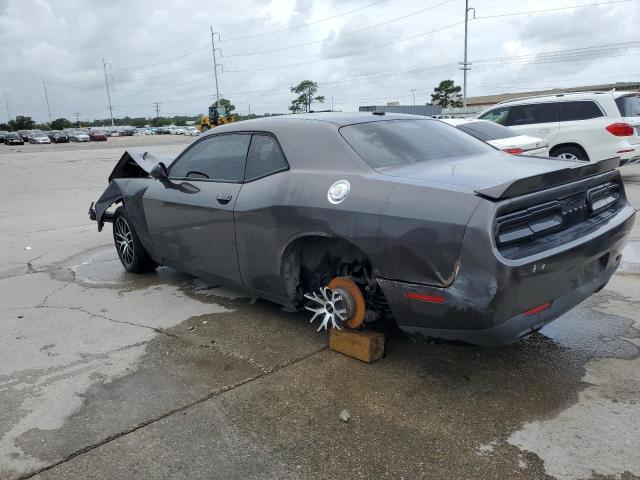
pixel 64 41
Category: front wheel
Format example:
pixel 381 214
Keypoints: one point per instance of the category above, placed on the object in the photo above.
pixel 132 254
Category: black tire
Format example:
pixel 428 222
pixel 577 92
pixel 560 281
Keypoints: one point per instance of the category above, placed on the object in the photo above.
pixel 132 254
pixel 570 153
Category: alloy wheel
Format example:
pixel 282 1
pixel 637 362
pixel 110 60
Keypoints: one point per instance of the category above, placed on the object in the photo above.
pixel 124 241
pixel 567 156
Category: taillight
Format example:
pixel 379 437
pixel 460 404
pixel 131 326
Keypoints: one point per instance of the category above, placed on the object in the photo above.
pixel 513 151
pixel 620 129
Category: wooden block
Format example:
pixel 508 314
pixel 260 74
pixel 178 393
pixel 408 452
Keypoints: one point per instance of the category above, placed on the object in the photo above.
pixel 365 345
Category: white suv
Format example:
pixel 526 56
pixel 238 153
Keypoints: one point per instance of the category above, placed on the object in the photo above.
pixel 578 126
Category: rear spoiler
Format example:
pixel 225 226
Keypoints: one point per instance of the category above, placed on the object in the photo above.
pixel 543 181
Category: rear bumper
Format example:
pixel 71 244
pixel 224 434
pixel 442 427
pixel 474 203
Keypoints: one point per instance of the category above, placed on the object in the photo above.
pixel 493 300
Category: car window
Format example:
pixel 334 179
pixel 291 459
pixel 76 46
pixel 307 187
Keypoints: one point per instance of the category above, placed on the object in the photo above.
pixel 629 106
pixel 218 157
pixel 497 115
pixel 264 158
pixel 531 113
pixel 486 131
pixel 578 110
pixel 402 142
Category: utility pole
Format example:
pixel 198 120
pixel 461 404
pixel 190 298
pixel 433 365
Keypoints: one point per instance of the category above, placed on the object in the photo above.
pixel 6 102
pixel 215 63
pixel 249 111
pixel 106 82
pixel 332 103
pixel 46 97
pixel 77 120
pixel 413 92
pixel 309 100
pixel 466 66
pixel 157 105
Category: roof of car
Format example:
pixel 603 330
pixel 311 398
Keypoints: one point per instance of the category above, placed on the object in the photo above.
pixel 338 119
pixel 561 96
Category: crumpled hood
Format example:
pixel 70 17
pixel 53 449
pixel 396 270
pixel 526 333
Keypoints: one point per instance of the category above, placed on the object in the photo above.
pixel 136 165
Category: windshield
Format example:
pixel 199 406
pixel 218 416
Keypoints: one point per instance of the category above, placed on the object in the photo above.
pixel 401 142
pixel 487 131
pixel 629 106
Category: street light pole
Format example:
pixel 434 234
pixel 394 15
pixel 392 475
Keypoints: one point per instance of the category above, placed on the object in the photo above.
pixel 106 82
pixel 413 92
pixel 46 97
pixel 6 102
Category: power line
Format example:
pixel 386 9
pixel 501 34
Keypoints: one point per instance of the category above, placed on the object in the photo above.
pixel 347 54
pixel 377 2
pixel 175 72
pixel 341 35
pixel 550 10
pixel 549 57
pixel 136 67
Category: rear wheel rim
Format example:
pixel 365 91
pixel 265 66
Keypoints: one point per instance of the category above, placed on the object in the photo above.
pixel 568 156
pixel 124 241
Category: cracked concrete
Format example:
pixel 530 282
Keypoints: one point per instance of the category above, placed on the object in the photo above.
pixel 108 375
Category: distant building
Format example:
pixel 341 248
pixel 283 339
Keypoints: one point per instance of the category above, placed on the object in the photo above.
pixel 489 100
pixel 424 110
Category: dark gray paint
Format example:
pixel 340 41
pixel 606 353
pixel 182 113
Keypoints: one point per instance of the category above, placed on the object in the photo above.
pixel 423 227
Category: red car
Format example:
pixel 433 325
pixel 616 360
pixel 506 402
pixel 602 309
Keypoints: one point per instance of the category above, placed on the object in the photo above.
pixel 98 135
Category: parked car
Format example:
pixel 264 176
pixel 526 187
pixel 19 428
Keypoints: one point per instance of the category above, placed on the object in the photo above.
pixel 97 135
pixel 57 136
pixel 79 136
pixel 584 126
pixel 191 131
pixel 12 138
pixel 24 135
pixel 3 134
pixel 502 138
pixel 370 216
pixel 38 137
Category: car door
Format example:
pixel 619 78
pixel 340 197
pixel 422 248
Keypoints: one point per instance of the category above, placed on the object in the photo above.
pixel 534 119
pixel 190 216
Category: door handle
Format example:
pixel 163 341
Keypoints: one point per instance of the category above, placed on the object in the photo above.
pixel 223 198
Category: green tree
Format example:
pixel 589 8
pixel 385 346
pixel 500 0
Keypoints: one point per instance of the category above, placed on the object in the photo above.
pixel 22 123
pixel 61 124
pixel 227 103
pixel 447 94
pixel 4 126
pixel 305 91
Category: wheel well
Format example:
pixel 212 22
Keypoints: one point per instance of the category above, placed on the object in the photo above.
pixel 309 263
pixel 573 145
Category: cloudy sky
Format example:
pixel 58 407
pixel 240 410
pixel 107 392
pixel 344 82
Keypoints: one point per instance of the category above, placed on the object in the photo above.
pixel 359 51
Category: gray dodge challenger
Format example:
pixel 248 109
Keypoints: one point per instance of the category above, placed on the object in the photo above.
pixel 371 217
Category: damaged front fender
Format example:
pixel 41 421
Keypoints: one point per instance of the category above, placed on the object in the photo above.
pixel 130 165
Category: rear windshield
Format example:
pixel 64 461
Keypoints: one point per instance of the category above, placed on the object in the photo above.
pixel 401 142
pixel 629 106
pixel 486 131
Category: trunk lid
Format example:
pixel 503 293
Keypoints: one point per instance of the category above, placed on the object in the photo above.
pixel 499 175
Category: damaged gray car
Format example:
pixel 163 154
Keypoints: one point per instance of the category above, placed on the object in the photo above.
pixel 372 217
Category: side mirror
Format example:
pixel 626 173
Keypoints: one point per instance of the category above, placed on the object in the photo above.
pixel 159 171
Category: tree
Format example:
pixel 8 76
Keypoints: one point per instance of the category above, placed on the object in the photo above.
pixel 22 123
pixel 447 94
pixel 305 91
pixel 227 103
pixel 61 124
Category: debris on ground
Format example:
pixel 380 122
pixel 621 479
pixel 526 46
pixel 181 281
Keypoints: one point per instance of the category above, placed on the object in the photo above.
pixel 344 416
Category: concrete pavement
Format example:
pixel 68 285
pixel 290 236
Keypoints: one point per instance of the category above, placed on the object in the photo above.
pixel 107 375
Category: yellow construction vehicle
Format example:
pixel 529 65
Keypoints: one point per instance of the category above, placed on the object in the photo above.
pixel 218 115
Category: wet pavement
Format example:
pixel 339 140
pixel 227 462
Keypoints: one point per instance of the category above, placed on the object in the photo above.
pixel 108 375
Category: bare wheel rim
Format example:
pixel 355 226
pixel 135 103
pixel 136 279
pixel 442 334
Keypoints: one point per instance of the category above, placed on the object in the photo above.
pixel 568 156
pixel 124 241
